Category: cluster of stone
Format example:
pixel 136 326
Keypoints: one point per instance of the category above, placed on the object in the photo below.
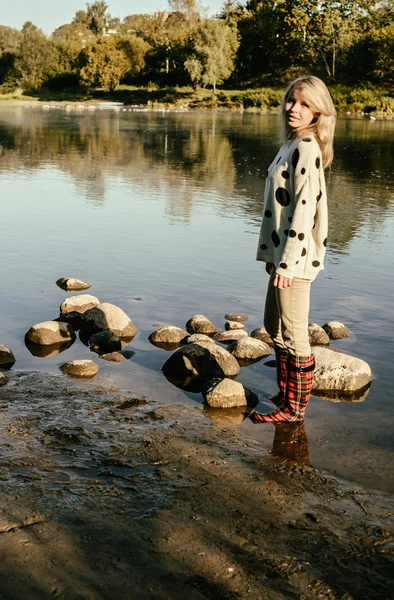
pixel 106 328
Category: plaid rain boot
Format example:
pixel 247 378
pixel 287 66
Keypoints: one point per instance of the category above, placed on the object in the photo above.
pixel 281 375
pixel 298 390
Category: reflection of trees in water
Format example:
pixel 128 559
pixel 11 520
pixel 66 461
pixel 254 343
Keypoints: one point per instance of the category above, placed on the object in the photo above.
pixel 186 154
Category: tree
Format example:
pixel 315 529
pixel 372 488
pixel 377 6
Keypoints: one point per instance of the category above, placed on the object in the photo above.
pixel 95 18
pixel 9 47
pixel 34 56
pixel 214 46
pixel 104 65
pixel 135 49
pixel 384 57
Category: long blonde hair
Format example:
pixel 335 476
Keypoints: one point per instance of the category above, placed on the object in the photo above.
pixel 317 96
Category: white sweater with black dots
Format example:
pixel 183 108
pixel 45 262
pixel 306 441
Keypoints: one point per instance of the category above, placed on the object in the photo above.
pixel 293 233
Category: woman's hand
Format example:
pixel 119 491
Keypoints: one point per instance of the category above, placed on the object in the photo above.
pixel 282 282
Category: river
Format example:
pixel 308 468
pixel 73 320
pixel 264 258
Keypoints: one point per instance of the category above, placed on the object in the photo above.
pixel 160 212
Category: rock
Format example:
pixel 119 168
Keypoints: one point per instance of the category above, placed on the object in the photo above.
pixel 262 334
pixel 206 362
pixel 73 318
pixel 201 324
pixel 69 284
pixel 108 317
pixel 105 341
pixel 226 337
pixel 226 393
pixel 114 357
pixel 168 335
pixel 199 338
pixel 78 304
pixel 80 368
pixel 3 379
pixel 317 335
pixel 338 371
pixel 336 330
pixel 236 317
pixel 47 351
pixel 229 325
pixel 7 358
pixel 249 349
pixel 48 333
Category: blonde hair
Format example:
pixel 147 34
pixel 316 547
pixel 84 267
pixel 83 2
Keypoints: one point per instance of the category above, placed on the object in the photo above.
pixel 317 96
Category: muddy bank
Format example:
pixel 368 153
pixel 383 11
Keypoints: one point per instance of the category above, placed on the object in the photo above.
pixel 107 495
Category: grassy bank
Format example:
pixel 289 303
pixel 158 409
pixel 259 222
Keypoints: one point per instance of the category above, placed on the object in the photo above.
pixel 378 102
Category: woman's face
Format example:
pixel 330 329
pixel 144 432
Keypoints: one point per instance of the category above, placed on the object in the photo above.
pixel 298 113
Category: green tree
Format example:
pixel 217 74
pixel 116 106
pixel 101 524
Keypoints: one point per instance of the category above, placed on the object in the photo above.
pixel 95 18
pixel 384 54
pixel 135 49
pixel 34 56
pixel 214 46
pixel 103 65
pixel 9 47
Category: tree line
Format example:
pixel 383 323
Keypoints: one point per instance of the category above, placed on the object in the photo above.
pixel 261 42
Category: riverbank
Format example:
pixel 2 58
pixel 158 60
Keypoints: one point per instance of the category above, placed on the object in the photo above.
pixel 378 103
pixel 106 494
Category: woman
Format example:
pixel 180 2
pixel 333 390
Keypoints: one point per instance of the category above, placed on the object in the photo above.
pixel 293 238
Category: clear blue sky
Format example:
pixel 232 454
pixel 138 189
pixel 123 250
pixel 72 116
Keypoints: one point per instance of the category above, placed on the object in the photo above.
pixel 49 14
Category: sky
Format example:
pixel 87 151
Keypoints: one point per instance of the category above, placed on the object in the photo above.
pixel 50 14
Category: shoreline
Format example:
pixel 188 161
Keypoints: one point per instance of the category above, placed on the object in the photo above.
pixel 106 494
pixel 91 103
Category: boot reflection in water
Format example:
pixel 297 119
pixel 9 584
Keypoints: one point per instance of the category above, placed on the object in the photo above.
pixel 291 443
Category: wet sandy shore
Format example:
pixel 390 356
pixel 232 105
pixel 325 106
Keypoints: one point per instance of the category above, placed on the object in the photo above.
pixel 104 494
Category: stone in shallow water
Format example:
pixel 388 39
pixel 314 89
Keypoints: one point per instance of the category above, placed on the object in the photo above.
pixel 109 317
pixel 79 304
pixel 80 368
pixel 199 338
pixel 226 337
pixel 104 341
pixel 168 335
pixel 336 330
pixel 249 349
pixel 114 357
pixel 201 324
pixel 7 358
pixel 262 334
pixel 317 335
pixel 206 362
pixel 69 284
pixel 339 371
pixel 236 317
pixel 229 325
pixel 49 333
pixel 73 318
pixel 227 393
pixel 3 379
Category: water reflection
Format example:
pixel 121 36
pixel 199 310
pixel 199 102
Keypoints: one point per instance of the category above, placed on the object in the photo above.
pixel 181 152
pixel 47 351
pixel 290 443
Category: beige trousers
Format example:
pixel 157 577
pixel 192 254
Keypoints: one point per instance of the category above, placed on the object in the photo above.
pixel 286 316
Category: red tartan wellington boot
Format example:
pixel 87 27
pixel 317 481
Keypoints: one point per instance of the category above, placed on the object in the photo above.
pixel 281 376
pixel 299 385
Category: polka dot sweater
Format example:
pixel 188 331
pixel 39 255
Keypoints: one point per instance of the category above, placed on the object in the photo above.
pixel 293 233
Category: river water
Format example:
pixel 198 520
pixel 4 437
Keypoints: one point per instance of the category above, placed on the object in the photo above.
pixel 167 207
